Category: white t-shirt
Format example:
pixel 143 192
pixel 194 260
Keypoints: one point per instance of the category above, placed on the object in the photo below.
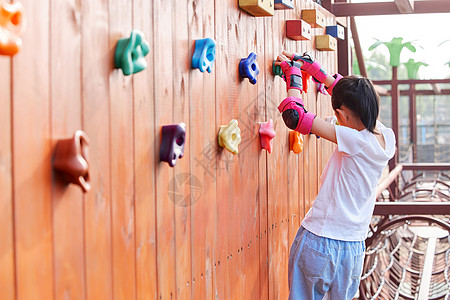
pixel 344 205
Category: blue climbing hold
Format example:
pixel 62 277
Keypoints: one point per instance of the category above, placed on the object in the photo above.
pixel 204 54
pixel 249 68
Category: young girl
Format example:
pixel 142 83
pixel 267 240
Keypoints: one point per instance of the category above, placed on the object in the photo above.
pixel 327 254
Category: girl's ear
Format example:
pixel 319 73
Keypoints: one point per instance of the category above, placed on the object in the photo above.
pixel 341 116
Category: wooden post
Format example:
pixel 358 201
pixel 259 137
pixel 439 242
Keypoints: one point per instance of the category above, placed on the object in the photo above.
pixel 395 95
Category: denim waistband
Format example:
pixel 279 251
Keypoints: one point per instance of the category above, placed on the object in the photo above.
pixel 336 244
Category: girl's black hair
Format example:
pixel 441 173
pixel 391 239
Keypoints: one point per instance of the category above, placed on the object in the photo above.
pixel 358 94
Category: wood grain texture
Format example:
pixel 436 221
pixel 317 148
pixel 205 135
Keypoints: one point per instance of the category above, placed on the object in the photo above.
pixel 183 186
pixel 203 153
pixel 215 226
pixel 165 208
pixel 277 181
pixel 96 59
pixel 224 104
pixel 249 118
pixel 122 159
pixel 145 160
pixel 65 97
pixel 32 159
pixel 293 159
pixel 7 272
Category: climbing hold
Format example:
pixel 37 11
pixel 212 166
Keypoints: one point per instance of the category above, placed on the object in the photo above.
pixel 276 69
pixel 12 24
pixel 336 31
pixel 130 53
pixel 298 30
pixel 284 4
pixel 332 120
pixel 267 133
pixel 326 43
pixel 321 88
pixel 249 68
pixel 70 159
pixel 204 54
pixel 230 136
pixel 258 8
pixel 314 17
pixel 295 142
pixel 172 144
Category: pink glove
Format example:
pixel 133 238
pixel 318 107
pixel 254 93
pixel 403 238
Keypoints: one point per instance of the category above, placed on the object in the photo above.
pixel 311 67
pixel 295 116
pixel 292 75
pixel 337 77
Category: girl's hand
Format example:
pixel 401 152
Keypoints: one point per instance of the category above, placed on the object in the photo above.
pixel 289 55
pixel 281 58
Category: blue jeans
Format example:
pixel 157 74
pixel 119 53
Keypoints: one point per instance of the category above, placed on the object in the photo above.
pixel 319 265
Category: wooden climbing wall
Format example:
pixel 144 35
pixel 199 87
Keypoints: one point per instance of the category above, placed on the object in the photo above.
pixel 214 226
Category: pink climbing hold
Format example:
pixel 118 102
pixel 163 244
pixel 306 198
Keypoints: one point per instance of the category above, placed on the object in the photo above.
pixel 267 134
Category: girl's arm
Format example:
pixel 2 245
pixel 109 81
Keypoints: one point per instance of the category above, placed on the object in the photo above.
pixel 324 129
pixel 320 127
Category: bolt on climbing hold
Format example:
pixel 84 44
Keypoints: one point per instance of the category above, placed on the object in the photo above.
pixel 71 160
pixel 336 31
pixel 230 136
pixel 267 133
pixel 130 53
pixel 298 30
pixel 284 4
pixel 258 8
pixel 172 143
pixel 204 54
pixel 295 142
pixel 276 70
pixel 249 68
pixel 12 25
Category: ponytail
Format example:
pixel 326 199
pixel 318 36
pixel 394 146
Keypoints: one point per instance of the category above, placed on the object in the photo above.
pixel 358 94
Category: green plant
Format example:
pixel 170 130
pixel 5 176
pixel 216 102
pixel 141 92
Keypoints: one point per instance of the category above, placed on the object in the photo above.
pixel 395 47
pixel 412 67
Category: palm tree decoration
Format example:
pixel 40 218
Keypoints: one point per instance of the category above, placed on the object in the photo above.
pixel 447 63
pixel 395 46
pixel 413 68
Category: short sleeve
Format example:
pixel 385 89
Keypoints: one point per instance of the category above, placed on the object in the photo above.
pixel 349 140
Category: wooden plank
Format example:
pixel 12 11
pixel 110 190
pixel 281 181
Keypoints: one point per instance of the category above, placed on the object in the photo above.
pixel 249 118
pixel 96 59
pixel 122 159
pixel 203 148
pixel 426 166
pixel 309 145
pixel 293 159
pixel 65 95
pixel 427 269
pixel 145 163
pixel 278 160
pixel 411 208
pixel 228 164
pixel 302 176
pixel 265 67
pixel 163 94
pixel 32 158
pixel 210 137
pixel 7 273
pixel 225 110
pixel 184 197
